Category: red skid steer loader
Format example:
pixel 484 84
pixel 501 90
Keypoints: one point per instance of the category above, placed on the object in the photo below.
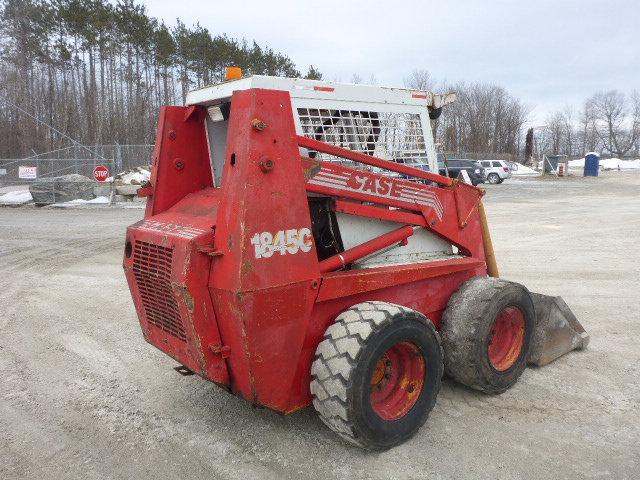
pixel 298 249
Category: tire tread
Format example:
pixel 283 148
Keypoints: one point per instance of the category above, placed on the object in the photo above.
pixel 462 319
pixel 334 363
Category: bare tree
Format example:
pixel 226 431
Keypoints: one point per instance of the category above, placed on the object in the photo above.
pixel 543 141
pixel 635 99
pixel 555 131
pixel 419 80
pixel 561 132
pixel 588 135
pixel 485 119
pixel 422 80
pixel 617 120
pixel 569 130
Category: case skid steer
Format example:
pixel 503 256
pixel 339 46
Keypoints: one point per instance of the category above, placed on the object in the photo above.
pixel 298 247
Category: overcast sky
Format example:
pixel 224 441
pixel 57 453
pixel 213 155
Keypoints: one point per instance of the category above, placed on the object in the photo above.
pixel 548 53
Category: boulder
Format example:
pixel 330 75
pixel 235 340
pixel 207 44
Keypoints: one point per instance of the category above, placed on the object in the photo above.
pixel 127 189
pixel 62 189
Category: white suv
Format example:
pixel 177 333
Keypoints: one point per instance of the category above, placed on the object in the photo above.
pixel 497 170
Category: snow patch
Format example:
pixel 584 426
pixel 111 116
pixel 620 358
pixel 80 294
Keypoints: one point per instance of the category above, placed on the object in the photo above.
pixel 100 200
pixel 579 163
pixel 524 171
pixel 135 176
pixel 609 164
pixel 17 197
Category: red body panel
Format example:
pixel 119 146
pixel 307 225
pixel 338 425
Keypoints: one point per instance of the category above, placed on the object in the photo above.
pixel 227 280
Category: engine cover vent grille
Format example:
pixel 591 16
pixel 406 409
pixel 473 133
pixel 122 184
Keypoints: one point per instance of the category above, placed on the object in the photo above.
pixel 152 271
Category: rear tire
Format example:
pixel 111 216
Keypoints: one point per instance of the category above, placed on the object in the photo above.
pixel 376 374
pixel 494 178
pixel 486 333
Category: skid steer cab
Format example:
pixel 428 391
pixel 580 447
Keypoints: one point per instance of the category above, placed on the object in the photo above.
pixel 298 248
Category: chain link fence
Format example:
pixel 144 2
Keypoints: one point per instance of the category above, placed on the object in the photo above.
pixel 68 173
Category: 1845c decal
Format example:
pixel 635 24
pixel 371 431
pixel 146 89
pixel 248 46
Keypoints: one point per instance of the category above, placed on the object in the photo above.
pixel 284 242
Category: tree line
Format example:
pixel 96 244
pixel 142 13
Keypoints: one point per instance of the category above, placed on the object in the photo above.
pixel 607 122
pixel 97 71
pixel 487 120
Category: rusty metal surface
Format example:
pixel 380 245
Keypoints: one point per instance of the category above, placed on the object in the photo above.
pixel 179 222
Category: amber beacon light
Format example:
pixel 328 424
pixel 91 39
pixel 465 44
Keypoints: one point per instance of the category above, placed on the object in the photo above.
pixel 233 73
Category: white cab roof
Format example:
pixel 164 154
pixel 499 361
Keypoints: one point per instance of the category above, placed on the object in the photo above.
pixel 318 89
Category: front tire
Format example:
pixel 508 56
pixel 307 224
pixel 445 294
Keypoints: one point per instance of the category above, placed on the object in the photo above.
pixel 376 374
pixel 486 333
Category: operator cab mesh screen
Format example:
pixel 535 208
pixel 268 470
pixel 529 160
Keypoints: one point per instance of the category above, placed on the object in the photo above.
pixel 392 136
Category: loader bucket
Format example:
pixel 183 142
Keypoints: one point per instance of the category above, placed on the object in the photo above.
pixel 557 331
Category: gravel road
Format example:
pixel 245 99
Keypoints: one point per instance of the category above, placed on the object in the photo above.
pixel 83 396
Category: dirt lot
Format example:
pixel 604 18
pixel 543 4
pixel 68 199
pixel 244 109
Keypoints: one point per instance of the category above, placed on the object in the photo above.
pixel 83 396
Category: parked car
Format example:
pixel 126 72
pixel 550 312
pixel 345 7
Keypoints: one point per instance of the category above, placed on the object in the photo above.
pixel 452 168
pixel 497 170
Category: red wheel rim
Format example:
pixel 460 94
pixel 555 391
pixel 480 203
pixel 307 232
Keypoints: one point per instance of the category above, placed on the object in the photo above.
pixel 506 338
pixel 397 381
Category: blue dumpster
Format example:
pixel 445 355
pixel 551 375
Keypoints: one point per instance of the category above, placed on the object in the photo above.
pixel 591 165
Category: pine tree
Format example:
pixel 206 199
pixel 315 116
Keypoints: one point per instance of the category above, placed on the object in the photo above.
pixel 98 71
pixel 528 149
pixel 313 74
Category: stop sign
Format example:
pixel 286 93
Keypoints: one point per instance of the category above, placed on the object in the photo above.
pixel 101 173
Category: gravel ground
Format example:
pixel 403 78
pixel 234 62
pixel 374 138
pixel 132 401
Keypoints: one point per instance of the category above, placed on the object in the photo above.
pixel 83 396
